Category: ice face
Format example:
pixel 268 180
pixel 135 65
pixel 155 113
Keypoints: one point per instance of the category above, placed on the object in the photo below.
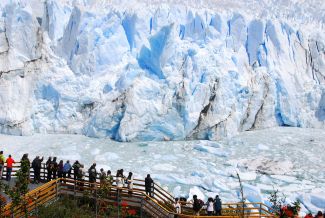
pixel 287 159
pixel 131 72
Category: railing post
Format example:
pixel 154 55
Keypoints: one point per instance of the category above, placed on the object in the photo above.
pixel 74 189
pixel 118 203
pixel 96 199
pixel 57 187
pixel 260 209
pixel 141 207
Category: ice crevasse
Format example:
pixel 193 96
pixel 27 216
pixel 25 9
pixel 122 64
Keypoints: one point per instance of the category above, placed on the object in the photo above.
pixel 158 72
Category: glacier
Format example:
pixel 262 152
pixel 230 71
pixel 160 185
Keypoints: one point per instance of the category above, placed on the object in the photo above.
pixel 160 70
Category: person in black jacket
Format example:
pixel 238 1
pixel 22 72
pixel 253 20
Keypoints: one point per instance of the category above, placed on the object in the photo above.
pixel 48 168
pixel 217 205
pixel 148 182
pixel 54 167
pixel 197 205
pixel 92 172
pixel 37 165
pixel 76 166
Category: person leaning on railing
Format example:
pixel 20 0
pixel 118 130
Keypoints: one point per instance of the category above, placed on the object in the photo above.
pixel 9 162
pixel 217 206
pixel 67 169
pixel 129 182
pixel 92 172
pixel 37 165
pixel 148 183
pixel 48 168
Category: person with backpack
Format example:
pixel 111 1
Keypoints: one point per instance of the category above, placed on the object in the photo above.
pixel 81 176
pixel 109 178
pixel 2 162
pixel 9 162
pixel 76 166
pixel 48 168
pixel 210 206
pixel 60 169
pixel 148 183
pixel 92 172
pixel 67 169
pixel 102 176
pixel 54 168
pixel 37 165
pixel 197 205
pixel 217 206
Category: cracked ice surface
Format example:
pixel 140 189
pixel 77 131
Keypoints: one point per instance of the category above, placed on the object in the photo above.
pixel 146 70
pixel 288 159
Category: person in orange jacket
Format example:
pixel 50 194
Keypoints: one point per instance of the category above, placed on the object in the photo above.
pixel 9 162
pixel 309 215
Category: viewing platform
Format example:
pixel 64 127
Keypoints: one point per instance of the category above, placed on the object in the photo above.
pixel 160 204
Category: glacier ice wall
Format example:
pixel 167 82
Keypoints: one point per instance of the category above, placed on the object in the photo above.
pixel 159 71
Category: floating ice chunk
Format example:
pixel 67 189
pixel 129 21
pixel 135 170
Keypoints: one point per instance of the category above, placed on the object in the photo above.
pixel 247 176
pixel 262 147
pixel 220 185
pixel 210 150
pixel 164 167
pixel 318 200
pixel 177 191
pixel 252 193
pixel 196 191
pixel 288 179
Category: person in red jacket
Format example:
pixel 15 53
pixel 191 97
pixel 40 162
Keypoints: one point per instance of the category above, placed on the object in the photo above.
pixel 9 162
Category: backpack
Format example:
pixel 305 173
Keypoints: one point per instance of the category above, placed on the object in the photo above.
pixel 201 203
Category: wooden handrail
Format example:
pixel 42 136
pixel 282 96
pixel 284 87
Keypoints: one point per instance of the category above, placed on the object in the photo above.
pixel 49 191
pixel 160 194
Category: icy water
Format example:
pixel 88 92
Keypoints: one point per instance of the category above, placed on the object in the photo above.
pixel 291 160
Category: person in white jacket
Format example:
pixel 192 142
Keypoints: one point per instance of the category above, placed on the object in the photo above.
pixel 119 180
pixel 177 205
pixel 210 206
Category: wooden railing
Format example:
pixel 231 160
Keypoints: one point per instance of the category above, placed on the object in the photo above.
pixel 160 205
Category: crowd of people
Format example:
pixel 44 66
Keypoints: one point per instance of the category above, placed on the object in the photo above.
pixel 55 169
pixel 213 207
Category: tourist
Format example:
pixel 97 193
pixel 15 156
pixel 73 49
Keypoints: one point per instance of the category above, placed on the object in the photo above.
pixel 76 166
pixel 60 169
pixel 217 206
pixel 92 172
pixel 109 178
pixel 129 182
pixel 25 164
pixel 119 179
pixel 48 168
pixel 177 206
pixel 210 205
pixel 81 176
pixel 54 168
pixel 2 162
pixel 108 183
pixel 197 205
pixel 102 176
pixel 319 214
pixel 9 162
pixel 148 183
pixel 37 165
pixel 67 169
